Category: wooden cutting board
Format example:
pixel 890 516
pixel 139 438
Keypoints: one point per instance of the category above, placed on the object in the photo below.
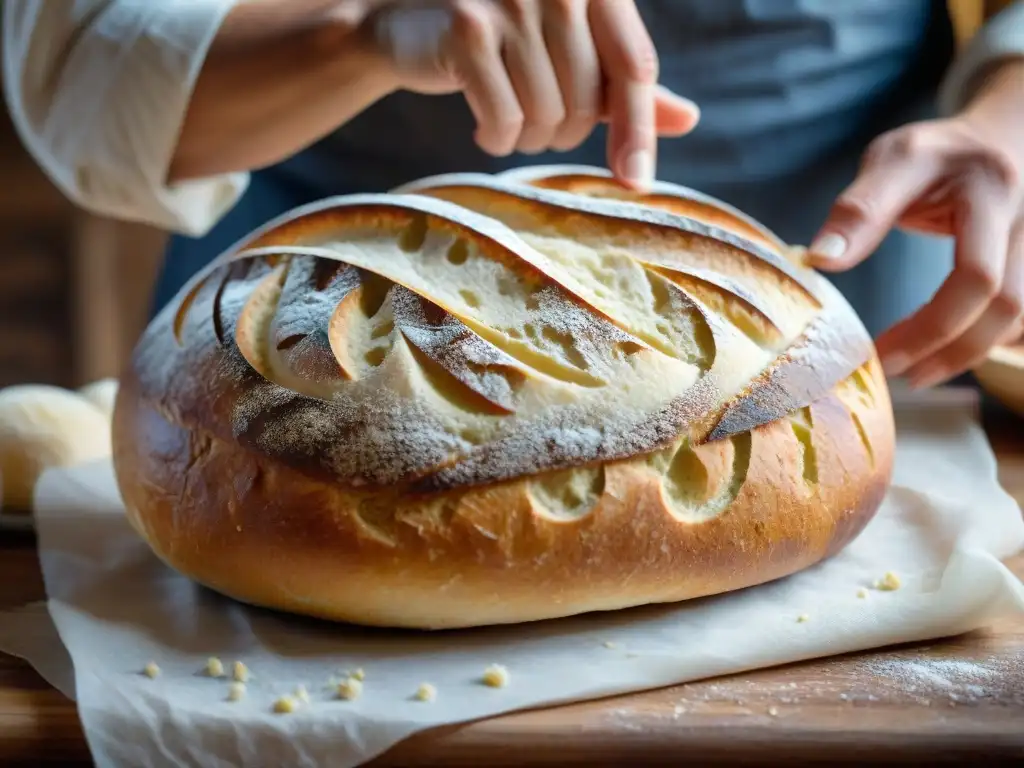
pixel 945 702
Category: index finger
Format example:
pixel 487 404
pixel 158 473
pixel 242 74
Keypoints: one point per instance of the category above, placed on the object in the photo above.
pixel 867 210
pixel 961 301
pixel 630 66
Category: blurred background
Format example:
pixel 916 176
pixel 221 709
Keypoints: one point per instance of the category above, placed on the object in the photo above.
pixel 74 288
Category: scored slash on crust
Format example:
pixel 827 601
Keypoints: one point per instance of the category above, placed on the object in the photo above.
pixel 492 401
pixel 502 298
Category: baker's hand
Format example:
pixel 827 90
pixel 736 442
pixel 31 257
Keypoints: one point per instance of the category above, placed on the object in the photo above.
pixel 540 74
pixel 963 177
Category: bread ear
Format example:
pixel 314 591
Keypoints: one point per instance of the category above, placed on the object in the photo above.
pixel 814 336
pixel 416 409
pixel 675 198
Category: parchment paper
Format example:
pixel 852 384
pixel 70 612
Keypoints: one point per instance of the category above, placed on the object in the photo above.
pixel 943 528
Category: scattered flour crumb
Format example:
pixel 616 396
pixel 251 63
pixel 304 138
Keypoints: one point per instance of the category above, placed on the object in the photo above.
pixel 495 676
pixel 240 672
pixel 350 689
pixel 426 692
pixel 862 593
pixel 285 705
pixel 888 583
pixel 803 618
pixel 236 691
pixel 302 694
pixel 773 711
pixel 151 670
pixel 358 674
pixel 610 644
pixel 214 667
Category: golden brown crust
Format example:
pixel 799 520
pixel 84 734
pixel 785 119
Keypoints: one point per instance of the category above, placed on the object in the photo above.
pixel 827 348
pixel 594 182
pixel 266 534
pixel 508 405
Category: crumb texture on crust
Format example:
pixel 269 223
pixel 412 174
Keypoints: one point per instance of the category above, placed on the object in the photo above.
pixel 485 399
pixel 481 329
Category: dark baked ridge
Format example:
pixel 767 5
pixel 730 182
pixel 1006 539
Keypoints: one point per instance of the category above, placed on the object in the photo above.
pixel 832 343
pixel 297 404
pixel 676 198
pixel 395 410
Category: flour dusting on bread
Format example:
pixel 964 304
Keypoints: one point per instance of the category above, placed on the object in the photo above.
pixel 486 399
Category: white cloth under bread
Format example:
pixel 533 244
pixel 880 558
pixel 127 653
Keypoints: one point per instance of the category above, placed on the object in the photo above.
pixel 113 607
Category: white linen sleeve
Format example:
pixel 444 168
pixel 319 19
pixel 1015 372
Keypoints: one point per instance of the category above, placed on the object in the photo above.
pixel 98 91
pixel 1001 37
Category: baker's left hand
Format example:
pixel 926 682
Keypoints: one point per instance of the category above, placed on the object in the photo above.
pixel 963 177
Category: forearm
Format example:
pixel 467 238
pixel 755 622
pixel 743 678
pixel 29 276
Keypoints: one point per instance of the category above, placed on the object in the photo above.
pixel 280 75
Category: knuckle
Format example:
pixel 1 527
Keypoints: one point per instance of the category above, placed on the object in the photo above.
pixel 520 12
pixel 471 23
pixel 643 62
pixel 561 10
pixel 899 144
pixel 582 100
pixel 573 131
pixel 946 329
pixel 980 278
pixel 509 124
pixel 499 134
pixel 581 117
pixel 548 117
pixel 1008 304
pixel 855 209
pixel 998 165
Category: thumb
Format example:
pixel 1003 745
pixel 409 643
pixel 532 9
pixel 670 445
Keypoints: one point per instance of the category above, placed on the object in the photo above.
pixel 674 115
pixel 413 38
pixel 866 211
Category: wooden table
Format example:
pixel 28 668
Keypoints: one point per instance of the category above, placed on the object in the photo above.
pixel 940 703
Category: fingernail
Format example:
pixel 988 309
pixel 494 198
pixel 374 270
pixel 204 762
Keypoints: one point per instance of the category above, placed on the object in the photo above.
pixel 831 246
pixel 895 364
pixel 639 168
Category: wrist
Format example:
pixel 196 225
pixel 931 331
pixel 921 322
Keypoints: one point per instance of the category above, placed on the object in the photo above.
pixel 312 75
pixel 997 103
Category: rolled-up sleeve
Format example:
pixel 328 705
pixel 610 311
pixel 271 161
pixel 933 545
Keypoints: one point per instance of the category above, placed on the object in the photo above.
pixel 1002 37
pixel 98 91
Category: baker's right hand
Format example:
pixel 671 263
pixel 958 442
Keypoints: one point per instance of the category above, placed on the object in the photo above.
pixel 540 74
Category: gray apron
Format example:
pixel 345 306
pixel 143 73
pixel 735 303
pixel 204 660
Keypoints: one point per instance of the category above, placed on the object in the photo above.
pixel 791 91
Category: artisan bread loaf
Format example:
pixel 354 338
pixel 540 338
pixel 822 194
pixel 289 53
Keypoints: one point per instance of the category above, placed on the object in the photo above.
pixel 483 400
pixel 44 427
